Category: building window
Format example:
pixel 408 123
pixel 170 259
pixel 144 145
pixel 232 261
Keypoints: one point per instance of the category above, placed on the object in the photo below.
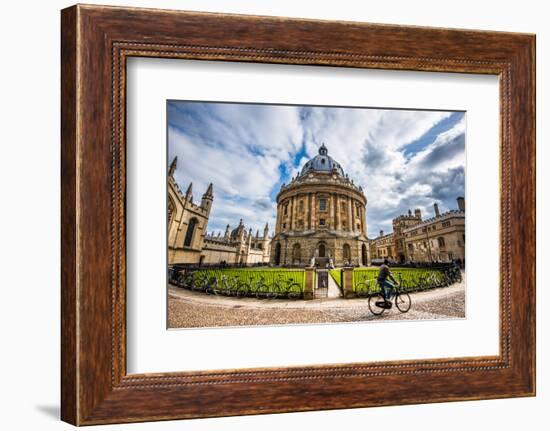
pixel 301 206
pixel 357 210
pixel 321 222
pixel 286 209
pixel 446 224
pixel 441 241
pixel 284 225
pixel 190 231
pixel 343 207
pixel 322 204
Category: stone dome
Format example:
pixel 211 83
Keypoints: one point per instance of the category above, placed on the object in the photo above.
pixel 322 162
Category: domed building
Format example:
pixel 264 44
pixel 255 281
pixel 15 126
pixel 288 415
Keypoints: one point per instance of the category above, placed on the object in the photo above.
pixel 321 217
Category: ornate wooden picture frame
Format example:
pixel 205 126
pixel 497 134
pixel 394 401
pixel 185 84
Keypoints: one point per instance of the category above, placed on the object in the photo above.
pixel 96 42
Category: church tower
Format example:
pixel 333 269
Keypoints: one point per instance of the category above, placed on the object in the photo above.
pixel 207 198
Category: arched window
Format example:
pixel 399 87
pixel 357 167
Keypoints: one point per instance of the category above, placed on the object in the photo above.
pixel 441 242
pixel 296 254
pixel 322 250
pixel 347 253
pixel 364 254
pixel 190 231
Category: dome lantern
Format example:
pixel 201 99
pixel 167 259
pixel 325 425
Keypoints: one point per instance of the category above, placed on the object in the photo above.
pixel 322 162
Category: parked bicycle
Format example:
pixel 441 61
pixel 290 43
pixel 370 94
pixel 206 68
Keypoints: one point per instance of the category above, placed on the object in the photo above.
pixel 224 285
pixel 286 288
pixel 366 287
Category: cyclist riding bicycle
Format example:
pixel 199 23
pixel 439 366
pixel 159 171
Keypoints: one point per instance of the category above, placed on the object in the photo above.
pixel 386 286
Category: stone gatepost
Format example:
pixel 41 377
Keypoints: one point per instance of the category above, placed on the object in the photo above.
pixel 309 288
pixel 347 282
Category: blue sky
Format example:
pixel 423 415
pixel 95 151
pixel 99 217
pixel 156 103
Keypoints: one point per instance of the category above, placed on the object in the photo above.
pixel 402 158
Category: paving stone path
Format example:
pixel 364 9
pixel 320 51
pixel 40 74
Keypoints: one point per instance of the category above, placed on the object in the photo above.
pixel 188 309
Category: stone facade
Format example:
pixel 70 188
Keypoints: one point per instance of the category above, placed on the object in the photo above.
pixel 440 238
pixel 321 216
pixel 237 247
pixel 187 221
pixel 399 225
pixel 189 242
pixel 383 247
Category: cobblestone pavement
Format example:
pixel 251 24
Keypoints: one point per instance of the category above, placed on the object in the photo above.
pixel 195 310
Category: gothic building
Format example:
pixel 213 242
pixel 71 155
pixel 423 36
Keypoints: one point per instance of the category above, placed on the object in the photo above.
pixel 440 238
pixel 237 246
pixel 321 217
pixel 189 241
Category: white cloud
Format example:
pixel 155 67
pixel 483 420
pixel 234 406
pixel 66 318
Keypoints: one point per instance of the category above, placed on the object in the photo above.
pixel 241 149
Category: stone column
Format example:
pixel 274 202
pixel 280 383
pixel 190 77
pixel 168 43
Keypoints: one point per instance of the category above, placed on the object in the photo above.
pixel 309 285
pixel 313 211
pixel 365 220
pixel 337 212
pixel 350 216
pixel 295 215
pixel 333 211
pixel 291 213
pixel 294 212
pixel 278 222
pixel 347 282
pixel 290 209
pixel 308 220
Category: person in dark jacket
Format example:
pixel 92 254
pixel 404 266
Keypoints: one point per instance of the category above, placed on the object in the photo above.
pixel 385 285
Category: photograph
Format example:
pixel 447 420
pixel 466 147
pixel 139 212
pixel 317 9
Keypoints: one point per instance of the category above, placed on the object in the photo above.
pixel 298 214
pixel 251 215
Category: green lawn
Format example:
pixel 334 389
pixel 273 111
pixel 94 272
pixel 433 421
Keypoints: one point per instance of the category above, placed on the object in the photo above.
pixel 336 275
pixel 261 282
pixel 411 279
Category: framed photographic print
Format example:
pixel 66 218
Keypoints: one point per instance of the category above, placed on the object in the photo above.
pixel 266 215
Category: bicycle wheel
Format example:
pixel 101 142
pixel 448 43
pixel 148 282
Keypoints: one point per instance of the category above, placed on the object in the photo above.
pixel 273 291
pixel 199 282
pixel 294 291
pixel 402 301
pixel 374 300
pixel 262 291
pixel 188 281
pixel 361 290
pixel 232 287
pixel 210 285
pixel 242 290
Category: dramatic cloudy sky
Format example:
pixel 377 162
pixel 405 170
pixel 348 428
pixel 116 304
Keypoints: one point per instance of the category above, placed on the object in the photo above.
pixel 403 159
